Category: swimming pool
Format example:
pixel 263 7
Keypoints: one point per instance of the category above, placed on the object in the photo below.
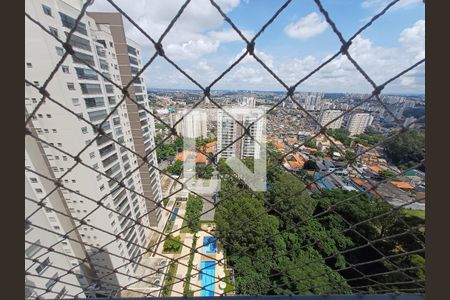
pixel 174 214
pixel 209 244
pixel 207 274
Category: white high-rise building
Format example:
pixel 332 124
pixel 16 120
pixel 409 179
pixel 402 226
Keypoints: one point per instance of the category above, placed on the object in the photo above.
pixel 194 123
pixel 327 116
pixel 248 101
pixel 358 122
pixel 312 101
pixel 228 130
pixel 100 41
pixel 49 265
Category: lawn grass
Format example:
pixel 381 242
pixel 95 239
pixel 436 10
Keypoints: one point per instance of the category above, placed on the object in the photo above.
pixel 169 226
pixel 208 222
pixel 229 288
pixel 187 284
pixel 414 213
pixel 185 228
pixel 168 282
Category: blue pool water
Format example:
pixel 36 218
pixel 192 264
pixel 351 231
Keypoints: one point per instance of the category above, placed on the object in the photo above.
pixel 207 274
pixel 209 244
pixel 174 214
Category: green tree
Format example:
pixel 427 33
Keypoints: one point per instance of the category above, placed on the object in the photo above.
pixel 193 211
pixel 406 149
pixel 205 172
pixel 318 154
pixel 310 165
pixel 167 150
pixel 172 244
pixel 386 174
pixel 311 143
pixel 199 142
pixel 176 168
pixel 267 249
pixel 341 134
pixel 363 208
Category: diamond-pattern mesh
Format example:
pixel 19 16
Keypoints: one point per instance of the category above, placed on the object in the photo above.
pixel 361 282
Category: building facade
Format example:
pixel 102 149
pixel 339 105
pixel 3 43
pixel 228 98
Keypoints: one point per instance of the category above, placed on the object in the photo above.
pixel 43 266
pixel 91 97
pixel 228 130
pixel 193 124
pixel 327 116
pixel 358 123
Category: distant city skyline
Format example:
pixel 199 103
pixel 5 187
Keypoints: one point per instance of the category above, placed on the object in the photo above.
pixel 155 89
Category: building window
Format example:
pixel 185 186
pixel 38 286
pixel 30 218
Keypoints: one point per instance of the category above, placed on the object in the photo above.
pixel 75 101
pixel 33 100
pixel 36 83
pixel 54 130
pixel 79 42
pixel 49 116
pixel 87 88
pixel 65 69
pixel 28 228
pixel 53 31
pixel 92 155
pixel 33 249
pixel 61 293
pixel 43 266
pixel 39 191
pixel 46 131
pixel 47 10
pixel 29 65
pixel 33 180
pixel 59 51
pixel 84 130
pixel 69 22
pixel 59 145
pixel 71 86
pixel 52 281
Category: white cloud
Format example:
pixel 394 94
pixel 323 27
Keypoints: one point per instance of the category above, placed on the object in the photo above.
pixel 187 38
pixel 307 27
pixel 380 63
pixel 230 35
pixel 199 32
pixel 192 49
pixel 378 5
pixel 413 39
pixel 250 60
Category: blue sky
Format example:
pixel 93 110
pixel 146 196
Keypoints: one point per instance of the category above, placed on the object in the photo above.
pixel 299 39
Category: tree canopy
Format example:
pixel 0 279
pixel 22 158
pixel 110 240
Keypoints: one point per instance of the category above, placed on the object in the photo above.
pixel 193 211
pixel 406 149
pixel 277 246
